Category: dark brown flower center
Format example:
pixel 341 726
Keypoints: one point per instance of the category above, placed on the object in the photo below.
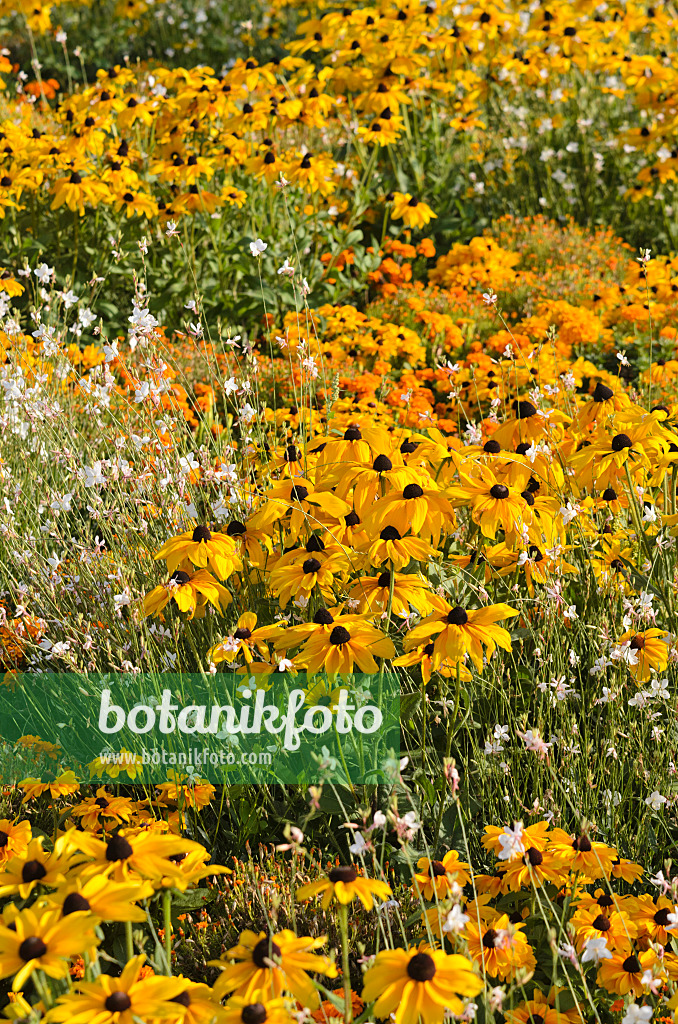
pixel 621 441
pixel 255 1013
pixel 200 534
pixel 457 617
pixel 118 1002
pixel 118 849
pixel 631 965
pixel 339 635
pixel 412 491
pixel 637 643
pixel 602 923
pixel 499 491
pixel 421 967
pixel 382 464
pixel 534 856
pixel 602 393
pixel 524 410
pixel 265 949
pixel 74 903
pixel 343 873
pixel 390 533
pixel 179 577
pixel 490 938
pixel 183 999
pixel 311 565
pixel 436 868
pixel 33 871
pixel 32 948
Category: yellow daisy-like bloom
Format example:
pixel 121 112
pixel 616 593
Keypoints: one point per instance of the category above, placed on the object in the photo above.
pixel 190 592
pixel 501 948
pixel 133 857
pixel 582 855
pixel 41 940
pixel 623 973
pixel 63 785
pixel 37 866
pixel 494 505
pixel 199 1006
pixel 344 883
pixel 533 867
pixel 102 898
pixel 616 927
pixel 14 839
pixel 375 593
pixel 391 546
pixel 344 647
pixel 122 1000
pixel 434 878
pixel 264 966
pixel 542 1008
pixel 411 210
pixel 534 836
pixel 216 551
pixel 241 1011
pixel 649 652
pixel 459 632
pixel 102 805
pixel 419 983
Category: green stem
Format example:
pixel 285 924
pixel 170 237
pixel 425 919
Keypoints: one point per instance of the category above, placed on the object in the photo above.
pixel 345 962
pixel 167 919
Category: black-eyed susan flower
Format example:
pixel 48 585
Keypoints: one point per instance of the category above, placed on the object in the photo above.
pixel 456 632
pixel 204 549
pixel 40 939
pixel 500 948
pixel 263 967
pixel 241 1011
pixel 102 898
pixel 647 651
pixel 122 1000
pixel 14 839
pixel 344 883
pixel 582 855
pixel 344 646
pixel 132 856
pixel 419 984
pixel 494 505
pixel 103 805
pixel 623 972
pixel 37 866
pixel 389 545
pixel 434 878
pixel 191 592
pixel 411 210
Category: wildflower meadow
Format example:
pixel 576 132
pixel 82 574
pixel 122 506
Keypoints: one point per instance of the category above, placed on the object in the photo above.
pixel 338 511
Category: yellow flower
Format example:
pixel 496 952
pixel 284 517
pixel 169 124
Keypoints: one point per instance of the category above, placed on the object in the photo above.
pixel 216 551
pixel 122 1000
pixel 42 940
pixel 344 883
pixel 190 592
pixel 411 210
pixel 435 878
pixel 262 967
pixel 419 984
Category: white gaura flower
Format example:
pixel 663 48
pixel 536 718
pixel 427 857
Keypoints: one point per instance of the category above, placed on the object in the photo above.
pixel 258 247
pixel 655 800
pixel 287 269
